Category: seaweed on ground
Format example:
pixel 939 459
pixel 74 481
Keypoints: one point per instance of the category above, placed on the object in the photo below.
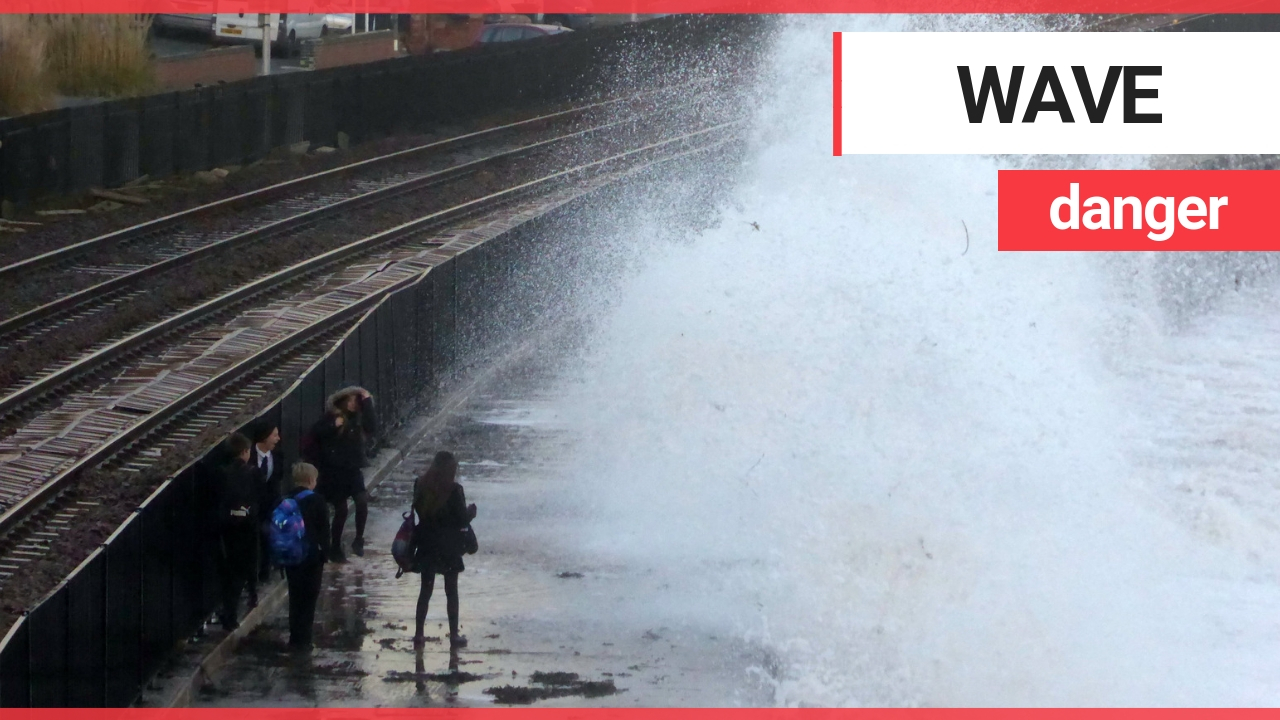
pixel 344 668
pixel 553 685
pixel 554 678
pixel 455 677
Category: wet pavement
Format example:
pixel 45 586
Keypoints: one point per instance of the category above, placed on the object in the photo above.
pixel 524 609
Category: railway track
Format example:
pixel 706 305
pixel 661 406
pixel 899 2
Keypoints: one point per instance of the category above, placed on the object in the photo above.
pixel 104 266
pixel 78 278
pixel 173 248
pixel 206 364
pixel 33 537
pixel 300 190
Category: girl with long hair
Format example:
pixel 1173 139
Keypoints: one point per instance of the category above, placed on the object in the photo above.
pixel 443 515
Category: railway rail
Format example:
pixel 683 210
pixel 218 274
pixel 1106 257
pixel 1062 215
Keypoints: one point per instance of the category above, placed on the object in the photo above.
pixel 34 533
pixel 171 248
pixel 87 277
pixel 297 189
pixel 217 357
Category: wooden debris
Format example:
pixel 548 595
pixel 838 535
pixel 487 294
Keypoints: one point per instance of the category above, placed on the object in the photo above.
pixel 119 197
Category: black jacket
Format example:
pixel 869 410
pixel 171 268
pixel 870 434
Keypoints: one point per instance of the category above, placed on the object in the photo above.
pixel 315 515
pixel 236 501
pixel 440 533
pixel 342 446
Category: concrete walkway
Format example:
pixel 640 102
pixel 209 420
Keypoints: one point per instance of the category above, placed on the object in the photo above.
pixel 523 609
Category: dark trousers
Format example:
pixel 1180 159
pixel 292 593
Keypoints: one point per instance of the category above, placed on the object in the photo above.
pixel 239 550
pixel 304 591
pixel 264 554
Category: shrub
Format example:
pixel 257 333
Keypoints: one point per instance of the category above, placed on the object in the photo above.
pixel 99 55
pixel 25 87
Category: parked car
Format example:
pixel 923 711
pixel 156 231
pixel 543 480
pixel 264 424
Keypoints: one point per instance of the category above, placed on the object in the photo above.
pixel 494 19
pixel 194 23
pixel 439 32
pixel 509 32
pixel 291 28
pixel 573 22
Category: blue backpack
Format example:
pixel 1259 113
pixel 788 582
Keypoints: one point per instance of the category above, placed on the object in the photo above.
pixel 287 537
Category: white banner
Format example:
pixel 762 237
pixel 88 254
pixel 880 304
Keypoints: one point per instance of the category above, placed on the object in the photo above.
pixel 1211 93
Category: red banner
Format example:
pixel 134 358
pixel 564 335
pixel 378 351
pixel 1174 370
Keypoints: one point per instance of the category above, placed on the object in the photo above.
pixel 1128 210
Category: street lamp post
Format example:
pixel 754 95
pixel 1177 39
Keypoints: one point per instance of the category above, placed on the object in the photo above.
pixel 264 22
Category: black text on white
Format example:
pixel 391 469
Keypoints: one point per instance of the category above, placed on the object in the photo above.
pixel 1049 95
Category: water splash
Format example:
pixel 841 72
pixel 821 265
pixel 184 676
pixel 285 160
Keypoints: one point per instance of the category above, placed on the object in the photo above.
pixel 923 472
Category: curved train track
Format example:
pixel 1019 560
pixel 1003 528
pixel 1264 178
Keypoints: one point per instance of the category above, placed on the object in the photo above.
pixel 147 393
pixel 299 190
pixel 166 245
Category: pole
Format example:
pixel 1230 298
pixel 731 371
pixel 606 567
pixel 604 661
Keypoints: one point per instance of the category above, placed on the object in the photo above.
pixel 264 21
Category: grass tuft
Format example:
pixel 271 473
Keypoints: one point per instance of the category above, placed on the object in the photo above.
pixel 42 56
pixel 98 55
pixel 25 87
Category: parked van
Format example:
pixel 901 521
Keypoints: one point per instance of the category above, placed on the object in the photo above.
pixel 201 24
pixel 291 28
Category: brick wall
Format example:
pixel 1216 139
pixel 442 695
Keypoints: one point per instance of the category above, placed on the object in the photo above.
pixel 428 33
pixel 338 50
pixel 206 68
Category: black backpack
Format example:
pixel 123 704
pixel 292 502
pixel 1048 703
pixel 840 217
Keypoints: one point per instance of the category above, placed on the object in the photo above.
pixel 238 494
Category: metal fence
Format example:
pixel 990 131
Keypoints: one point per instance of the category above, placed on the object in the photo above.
pixel 109 144
pixel 110 625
